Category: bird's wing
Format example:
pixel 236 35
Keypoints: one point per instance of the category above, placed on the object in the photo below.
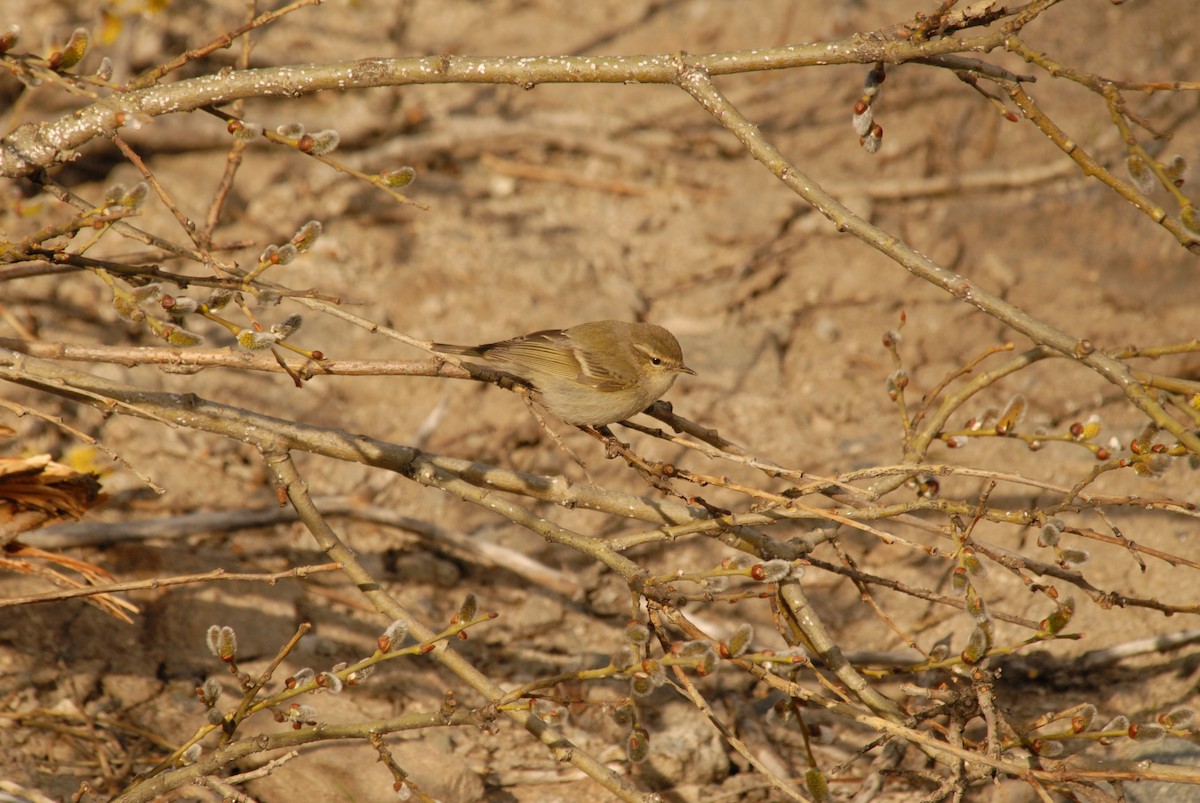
pixel 553 353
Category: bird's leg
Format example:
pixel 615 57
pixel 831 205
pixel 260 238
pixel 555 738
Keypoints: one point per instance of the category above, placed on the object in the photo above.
pixel 612 447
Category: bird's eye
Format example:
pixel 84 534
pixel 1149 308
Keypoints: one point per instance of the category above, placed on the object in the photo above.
pixel 656 361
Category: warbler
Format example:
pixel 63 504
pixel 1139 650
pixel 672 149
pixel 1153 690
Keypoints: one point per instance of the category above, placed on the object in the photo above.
pixel 592 374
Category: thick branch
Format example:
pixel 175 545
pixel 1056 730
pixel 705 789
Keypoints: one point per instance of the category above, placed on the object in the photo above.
pixel 36 146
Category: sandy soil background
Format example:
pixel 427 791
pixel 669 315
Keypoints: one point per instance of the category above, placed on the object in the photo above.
pixel 572 203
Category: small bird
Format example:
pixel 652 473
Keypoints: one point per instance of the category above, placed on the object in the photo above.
pixel 592 374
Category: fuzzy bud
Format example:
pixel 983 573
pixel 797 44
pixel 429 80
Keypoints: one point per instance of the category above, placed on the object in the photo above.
pixel 324 142
pixel 219 299
pixel 252 340
pixel 306 235
pixel 817 785
pixel 330 681
pixel 179 305
pixel 1178 717
pixel 773 571
pixel 1059 619
pixel 1011 416
pixel 209 692
pixel 302 677
pixel 873 141
pixel 739 642
pixel 958 580
pixel 1176 169
pixel 1190 218
pixel 74 50
pixel 401 177
pixel 863 118
pixel 287 327
pixel 1140 173
pixel 359 676
pixel 970 561
pixel 639 746
pixel 222 642
pixel 1051 532
pixel 9 38
pixel 245 131
pixel 113 193
pixel 1083 720
pixel 875 79
pixel 192 754
pixel 1146 731
pixel 178 336
pixel 640 685
pixel 977 646
pixel 467 611
pixel 637 634
pixel 1049 748
pixel 624 657
pixel 393 635
pixel 1074 556
pixel 1118 723
pixel 134 197
pixel 622 714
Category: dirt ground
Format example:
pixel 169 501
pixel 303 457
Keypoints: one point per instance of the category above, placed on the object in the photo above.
pixel 570 203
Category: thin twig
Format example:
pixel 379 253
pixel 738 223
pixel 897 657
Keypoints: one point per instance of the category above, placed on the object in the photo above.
pixel 299 572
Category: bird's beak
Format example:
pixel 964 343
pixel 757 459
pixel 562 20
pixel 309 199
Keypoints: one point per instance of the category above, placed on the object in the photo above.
pixel 683 369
